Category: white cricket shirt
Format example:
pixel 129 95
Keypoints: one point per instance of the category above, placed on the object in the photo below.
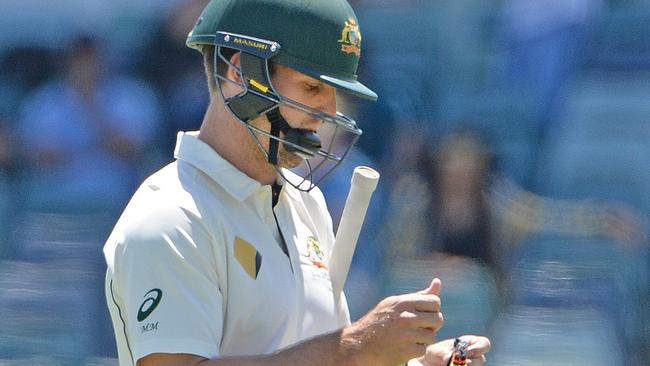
pixel 195 263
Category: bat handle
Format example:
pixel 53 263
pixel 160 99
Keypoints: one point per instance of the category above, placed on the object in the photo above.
pixel 363 184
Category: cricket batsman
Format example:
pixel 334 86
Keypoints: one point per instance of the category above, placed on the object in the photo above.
pixel 222 257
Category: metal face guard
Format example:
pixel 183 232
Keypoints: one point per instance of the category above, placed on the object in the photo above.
pixel 322 151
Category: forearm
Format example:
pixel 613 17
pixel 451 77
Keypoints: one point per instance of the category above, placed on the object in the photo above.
pixel 397 329
pixel 333 349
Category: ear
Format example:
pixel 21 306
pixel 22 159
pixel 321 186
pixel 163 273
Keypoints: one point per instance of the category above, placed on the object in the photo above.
pixel 232 73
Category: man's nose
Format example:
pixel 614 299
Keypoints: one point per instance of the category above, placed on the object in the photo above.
pixel 327 103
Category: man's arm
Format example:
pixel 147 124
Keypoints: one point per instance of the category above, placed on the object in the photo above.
pixel 397 329
pixel 319 352
pixel 323 350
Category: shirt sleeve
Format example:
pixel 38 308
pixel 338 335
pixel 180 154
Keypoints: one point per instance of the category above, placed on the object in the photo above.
pixel 168 287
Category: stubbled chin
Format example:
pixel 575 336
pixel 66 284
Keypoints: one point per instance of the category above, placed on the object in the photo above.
pixel 290 160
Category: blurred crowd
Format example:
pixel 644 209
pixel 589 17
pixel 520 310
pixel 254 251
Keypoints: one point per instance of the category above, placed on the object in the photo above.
pixel 512 137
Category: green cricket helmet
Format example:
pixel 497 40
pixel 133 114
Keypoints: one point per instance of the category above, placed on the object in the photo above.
pixel 320 38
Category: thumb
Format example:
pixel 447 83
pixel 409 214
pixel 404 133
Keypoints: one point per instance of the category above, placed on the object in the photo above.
pixel 434 288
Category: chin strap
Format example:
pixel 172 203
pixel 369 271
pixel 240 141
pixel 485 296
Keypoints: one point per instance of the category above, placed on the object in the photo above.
pixel 304 143
pixel 278 124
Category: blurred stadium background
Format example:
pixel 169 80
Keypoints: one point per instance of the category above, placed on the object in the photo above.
pixel 513 137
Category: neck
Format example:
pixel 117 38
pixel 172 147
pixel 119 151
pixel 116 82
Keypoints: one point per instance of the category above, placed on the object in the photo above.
pixel 232 141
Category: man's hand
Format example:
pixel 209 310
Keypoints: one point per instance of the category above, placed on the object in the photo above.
pixel 397 329
pixel 439 354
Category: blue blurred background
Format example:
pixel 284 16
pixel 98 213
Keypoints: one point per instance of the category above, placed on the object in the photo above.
pixel 512 136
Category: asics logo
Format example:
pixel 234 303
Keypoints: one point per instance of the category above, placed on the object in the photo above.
pixel 151 301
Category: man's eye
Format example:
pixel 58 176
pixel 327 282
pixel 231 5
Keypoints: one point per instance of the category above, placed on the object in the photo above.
pixel 312 87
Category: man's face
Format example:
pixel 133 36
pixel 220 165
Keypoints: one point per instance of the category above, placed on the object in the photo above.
pixel 303 89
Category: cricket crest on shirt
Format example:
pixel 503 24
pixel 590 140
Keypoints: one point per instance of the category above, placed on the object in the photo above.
pixel 314 253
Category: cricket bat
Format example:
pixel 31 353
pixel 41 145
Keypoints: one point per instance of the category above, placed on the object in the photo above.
pixel 363 183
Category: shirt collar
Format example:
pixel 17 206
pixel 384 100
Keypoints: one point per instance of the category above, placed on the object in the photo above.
pixel 200 155
pixel 288 179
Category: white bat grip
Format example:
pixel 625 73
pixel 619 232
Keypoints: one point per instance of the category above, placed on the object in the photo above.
pixel 363 184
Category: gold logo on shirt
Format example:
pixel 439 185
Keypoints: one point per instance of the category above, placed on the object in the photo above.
pixel 249 258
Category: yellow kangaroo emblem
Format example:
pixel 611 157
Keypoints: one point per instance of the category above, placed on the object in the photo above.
pixel 351 37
